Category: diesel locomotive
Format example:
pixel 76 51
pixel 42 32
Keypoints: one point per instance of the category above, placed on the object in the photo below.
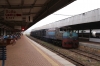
pixel 66 39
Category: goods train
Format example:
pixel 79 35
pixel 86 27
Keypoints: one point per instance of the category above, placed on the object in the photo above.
pixel 66 39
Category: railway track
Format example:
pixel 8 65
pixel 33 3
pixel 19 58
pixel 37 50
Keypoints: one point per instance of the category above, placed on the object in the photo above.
pixel 86 54
pixel 92 56
pixel 65 56
pixel 75 56
pixel 89 53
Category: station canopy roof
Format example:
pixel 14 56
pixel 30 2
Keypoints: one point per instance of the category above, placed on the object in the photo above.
pixel 20 14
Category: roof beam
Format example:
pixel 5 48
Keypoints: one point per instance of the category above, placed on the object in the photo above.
pixel 18 7
pixel 8 3
pixel 32 5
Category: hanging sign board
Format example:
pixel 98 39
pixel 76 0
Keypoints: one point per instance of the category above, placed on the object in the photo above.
pixel 13 14
pixel 28 18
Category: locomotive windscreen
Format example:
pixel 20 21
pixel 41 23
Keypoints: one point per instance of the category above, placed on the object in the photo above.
pixel 66 35
pixel 74 35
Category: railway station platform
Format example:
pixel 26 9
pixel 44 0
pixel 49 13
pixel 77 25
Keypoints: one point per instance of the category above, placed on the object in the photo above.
pixel 29 53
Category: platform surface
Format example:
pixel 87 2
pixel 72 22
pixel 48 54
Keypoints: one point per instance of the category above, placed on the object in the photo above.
pixel 29 53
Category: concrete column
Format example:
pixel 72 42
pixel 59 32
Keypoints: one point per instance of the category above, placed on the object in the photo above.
pixel 90 35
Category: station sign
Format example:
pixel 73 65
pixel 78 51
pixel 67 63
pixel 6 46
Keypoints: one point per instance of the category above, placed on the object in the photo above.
pixel 13 14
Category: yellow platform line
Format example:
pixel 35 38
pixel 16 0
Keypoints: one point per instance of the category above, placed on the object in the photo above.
pixel 43 54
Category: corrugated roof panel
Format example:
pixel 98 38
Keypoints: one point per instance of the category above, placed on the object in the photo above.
pixel 15 2
pixel 40 1
pixel 91 16
pixel 3 2
pixel 27 2
pixel 26 10
pixel 36 9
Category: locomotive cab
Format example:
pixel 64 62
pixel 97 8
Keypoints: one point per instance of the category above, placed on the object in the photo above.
pixel 70 40
pixel 75 39
pixel 66 42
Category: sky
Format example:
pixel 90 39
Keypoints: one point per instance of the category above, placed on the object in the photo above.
pixel 77 7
